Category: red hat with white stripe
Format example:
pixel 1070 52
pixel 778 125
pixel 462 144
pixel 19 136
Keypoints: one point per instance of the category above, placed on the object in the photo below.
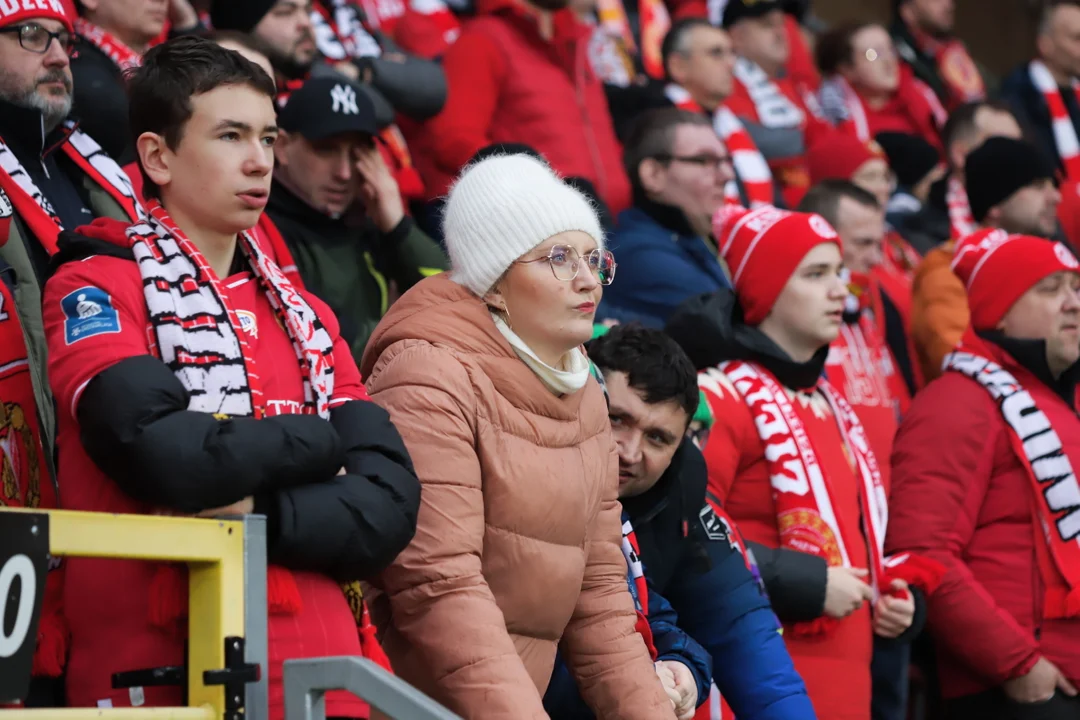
pixel 763 248
pixel 997 268
pixel 20 11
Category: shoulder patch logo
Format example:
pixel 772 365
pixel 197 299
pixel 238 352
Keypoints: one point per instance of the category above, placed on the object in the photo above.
pixel 88 311
pixel 714 528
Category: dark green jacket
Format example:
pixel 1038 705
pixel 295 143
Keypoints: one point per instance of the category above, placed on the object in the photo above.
pixel 350 265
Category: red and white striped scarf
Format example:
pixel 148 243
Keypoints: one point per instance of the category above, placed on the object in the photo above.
pixel 1068 146
pixel 855 110
pixel 124 57
pixel 654 21
pixel 960 218
pixel 750 164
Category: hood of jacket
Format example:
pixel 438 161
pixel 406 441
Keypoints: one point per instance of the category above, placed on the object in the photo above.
pixel 710 329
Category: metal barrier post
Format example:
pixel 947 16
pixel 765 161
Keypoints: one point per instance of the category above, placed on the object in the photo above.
pixel 257 650
pixel 307 682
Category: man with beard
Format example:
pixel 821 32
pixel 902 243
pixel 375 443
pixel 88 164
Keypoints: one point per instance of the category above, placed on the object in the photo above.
pixel 52 177
pixel 297 34
pixel 515 76
pixel 923 33
pixel 114 35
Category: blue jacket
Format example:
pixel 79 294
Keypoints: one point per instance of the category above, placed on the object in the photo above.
pixel 693 562
pixel 661 263
pixel 562 701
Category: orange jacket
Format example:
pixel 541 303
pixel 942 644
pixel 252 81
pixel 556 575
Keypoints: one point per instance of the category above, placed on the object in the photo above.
pixel 939 312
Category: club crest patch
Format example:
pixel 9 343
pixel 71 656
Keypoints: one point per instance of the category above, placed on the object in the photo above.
pixel 88 311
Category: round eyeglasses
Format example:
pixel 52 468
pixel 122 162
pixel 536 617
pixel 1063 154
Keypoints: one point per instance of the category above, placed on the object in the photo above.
pixel 565 263
pixel 36 39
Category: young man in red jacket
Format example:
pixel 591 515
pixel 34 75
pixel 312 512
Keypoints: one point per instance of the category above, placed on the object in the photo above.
pixel 983 481
pixel 193 378
pixel 520 73
pixel 788 456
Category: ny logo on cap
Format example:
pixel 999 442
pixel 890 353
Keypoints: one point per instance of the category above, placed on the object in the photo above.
pixel 344 98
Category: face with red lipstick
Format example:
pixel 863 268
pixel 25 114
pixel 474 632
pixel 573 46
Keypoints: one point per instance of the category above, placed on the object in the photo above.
pixel 553 315
pixel 218 173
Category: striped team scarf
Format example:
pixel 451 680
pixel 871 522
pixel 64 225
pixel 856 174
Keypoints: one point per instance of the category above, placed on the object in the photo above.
pixel 1065 140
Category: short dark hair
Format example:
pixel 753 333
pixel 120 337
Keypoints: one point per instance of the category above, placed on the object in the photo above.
pixel 961 122
pixel 654 364
pixel 835 48
pixel 675 40
pixel 160 90
pixel 653 136
pixel 824 199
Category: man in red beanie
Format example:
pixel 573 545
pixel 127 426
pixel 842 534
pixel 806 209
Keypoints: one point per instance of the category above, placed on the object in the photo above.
pixel 788 456
pixel 984 482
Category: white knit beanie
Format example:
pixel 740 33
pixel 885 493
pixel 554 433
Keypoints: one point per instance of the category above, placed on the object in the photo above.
pixel 501 208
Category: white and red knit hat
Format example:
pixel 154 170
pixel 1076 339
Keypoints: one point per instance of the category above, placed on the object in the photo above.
pixel 14 12
pixel 762 249
pixel 997 268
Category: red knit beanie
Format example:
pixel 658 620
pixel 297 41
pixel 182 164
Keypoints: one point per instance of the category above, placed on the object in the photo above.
pixel 997 268
pixel 13 12
pixel 762 248
pixel 839 155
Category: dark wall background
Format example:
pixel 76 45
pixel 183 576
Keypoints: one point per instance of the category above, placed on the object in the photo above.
pixel 999 33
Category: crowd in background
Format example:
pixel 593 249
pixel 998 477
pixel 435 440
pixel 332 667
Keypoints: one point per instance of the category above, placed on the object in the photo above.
pixel 588 358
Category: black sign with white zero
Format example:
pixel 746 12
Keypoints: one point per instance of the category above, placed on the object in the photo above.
pixel 24 563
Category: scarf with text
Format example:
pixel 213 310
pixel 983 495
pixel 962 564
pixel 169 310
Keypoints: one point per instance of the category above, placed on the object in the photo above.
pixel 774 109
pixel 804 509
pixel 639 587
pixel 124 57
pixel 1054 487
pixel 655 23
pixel 957 70
pixel 750 165
pixel 34 208
pixel 961 222
pixel 1065 140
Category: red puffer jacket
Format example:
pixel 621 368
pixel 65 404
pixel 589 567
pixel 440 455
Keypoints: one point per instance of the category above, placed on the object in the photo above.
pixel 509 85
pixel 961 496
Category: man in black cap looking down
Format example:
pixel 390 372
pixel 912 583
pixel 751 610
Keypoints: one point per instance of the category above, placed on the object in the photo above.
pixel 336 210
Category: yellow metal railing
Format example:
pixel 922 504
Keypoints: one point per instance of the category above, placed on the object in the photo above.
pixel 214 553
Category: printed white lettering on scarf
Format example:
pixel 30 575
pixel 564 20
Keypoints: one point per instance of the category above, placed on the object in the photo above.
pixel 774 108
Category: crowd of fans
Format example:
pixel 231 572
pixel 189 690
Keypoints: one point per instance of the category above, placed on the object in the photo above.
pixel 351 265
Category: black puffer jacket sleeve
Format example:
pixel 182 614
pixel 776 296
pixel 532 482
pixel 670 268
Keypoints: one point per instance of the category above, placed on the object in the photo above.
pixel 136 427
pixel 795 582
pixel 353 525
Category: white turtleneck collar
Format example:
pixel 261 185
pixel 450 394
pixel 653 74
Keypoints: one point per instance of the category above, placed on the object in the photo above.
pixel 569 377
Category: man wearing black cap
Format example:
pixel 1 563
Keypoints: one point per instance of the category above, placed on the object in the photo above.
pixel 346 252
pixel 766 99
pixel 1010 185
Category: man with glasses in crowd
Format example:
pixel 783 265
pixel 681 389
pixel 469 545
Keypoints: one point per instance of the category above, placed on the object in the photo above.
pixel 52 177
pixel 678 170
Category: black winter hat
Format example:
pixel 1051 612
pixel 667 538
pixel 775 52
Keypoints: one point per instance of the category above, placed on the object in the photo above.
pixel 736 10
pixel 910 157
pixel 998 168
pixel 239 15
